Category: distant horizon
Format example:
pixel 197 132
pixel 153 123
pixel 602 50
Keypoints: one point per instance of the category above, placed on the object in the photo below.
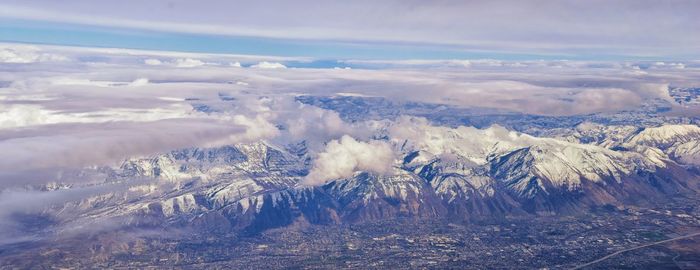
pixel 308 58
pixel 512 31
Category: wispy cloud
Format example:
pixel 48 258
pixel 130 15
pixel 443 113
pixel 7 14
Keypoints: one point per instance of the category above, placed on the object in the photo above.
pixel 641 28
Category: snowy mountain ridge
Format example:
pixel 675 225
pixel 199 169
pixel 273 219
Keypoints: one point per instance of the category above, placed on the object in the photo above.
pixel 461 174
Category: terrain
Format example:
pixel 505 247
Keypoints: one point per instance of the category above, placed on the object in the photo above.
pixel 456 197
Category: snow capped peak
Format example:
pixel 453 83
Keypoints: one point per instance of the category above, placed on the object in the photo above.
pixel 603 135
pixel 563 166
pixel 369 186
pixel 667 135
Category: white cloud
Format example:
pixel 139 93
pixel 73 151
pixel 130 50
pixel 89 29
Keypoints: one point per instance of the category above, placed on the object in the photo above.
pixel 268 65
pixel 416 63
pixel 14 116
pixel 470 143
pixel 343 157
pixel 188 63
pixel 14 201
pixel 68 146
pixel 152 62
pixel 84 82
pixel 23 115
pixel 139 82
pixel 670 65
pixel 27 54
pixel 314 122
pixel 257 127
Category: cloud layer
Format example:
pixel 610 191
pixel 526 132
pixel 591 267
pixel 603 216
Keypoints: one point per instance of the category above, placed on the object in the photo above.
pixel 89 106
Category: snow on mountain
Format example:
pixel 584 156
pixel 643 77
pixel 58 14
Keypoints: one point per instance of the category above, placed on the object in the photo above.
pixel 450 177
pixel 680 142
pixel 607 136
pixel 467 191
pixel 467 144
pixel 660 144
pixel 666 136
pixel 366 187
pixel 515 157
pixel 187 183
pixel 367 196
pixel 539 168
pixel 687 153
pixel 181 204
pixel 459 173
pixel 259 160
pixel 234 191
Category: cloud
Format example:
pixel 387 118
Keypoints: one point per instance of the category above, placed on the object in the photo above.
pixel 152 62
pixel 316 124
pixel 28 201
pixel 17 205
pixel 470 143
pixel 57 115
pixel 257 128
pixel 26 54
pixel 14 116
pixel 22 115
pixel 343 157
pixel 268 65
pixel 85 82
pixel 69 146
pixel 413 63
pixel 188 63
pixel 533 87
pixel 139 82
pixel 507 95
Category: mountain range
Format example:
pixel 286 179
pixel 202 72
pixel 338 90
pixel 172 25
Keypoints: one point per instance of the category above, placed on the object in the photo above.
pixel 488 174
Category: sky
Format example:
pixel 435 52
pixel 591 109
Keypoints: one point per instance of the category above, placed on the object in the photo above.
pixel 506 30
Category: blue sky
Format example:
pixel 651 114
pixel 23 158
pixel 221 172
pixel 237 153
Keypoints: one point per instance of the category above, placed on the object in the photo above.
pixel 506 30
pixel 24 31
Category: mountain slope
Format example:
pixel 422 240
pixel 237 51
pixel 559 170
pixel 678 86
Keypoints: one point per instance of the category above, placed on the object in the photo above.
pixel 255 187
